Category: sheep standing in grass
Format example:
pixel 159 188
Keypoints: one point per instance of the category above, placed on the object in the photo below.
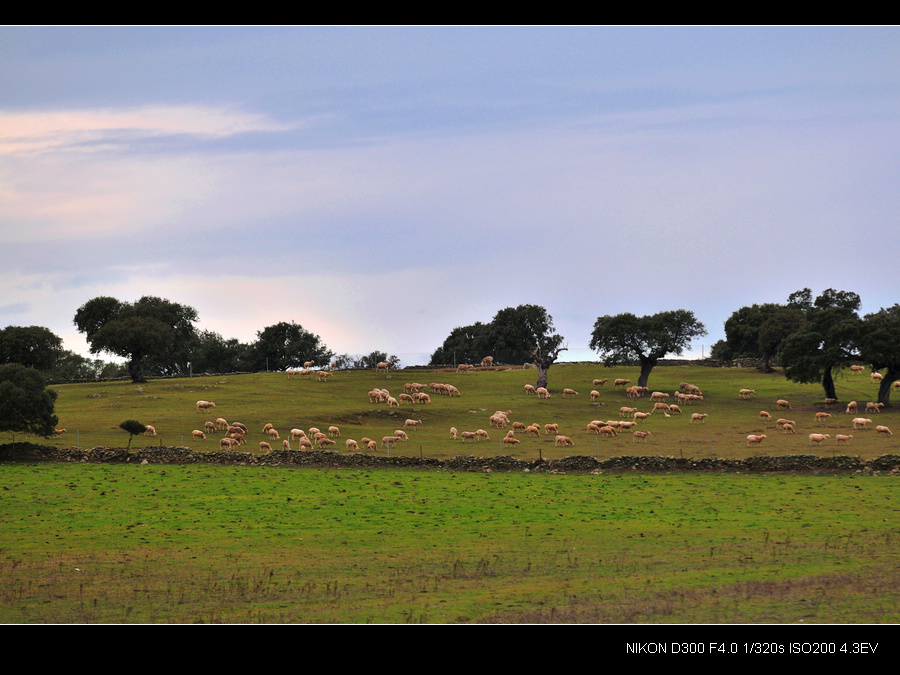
pixel 816 439
pixel 880 429
pixel 755 439
pixel 198 435
pixel 783 405
pixel 564 441
pixel 851 408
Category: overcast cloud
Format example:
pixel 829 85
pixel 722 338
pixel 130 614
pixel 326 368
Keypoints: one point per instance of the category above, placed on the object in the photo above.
pixel 381 186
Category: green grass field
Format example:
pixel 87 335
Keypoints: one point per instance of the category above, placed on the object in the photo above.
pixel 100 543
pixel 84 543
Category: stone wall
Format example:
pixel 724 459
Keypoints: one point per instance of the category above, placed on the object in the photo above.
pixel 28 452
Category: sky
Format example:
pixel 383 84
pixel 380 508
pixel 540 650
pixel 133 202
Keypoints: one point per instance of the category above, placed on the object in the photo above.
pixel 381 186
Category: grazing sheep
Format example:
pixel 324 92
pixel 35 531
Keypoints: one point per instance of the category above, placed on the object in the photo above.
pixel 372 446
pixel 755 439
pixel 830 401
pixel 659 405
pixel 763 415
pixel 600 383
pixel 383 365
pixel 843 438
pixel 305 444
pixel 529 389
pixel 482 435
pixel 150 431
pixel 698 417
pixel 406 398
pixel 297 434
pixel 640 416
pixel 227 444
pixel 487 361
pixel 877 377
pixel 352 446
pixel 285 444
pixel 788 427
pixel 509 440
pixel 308 364
pixel 592 428
pixel 816 439
pixel 674 409
pixel 267 427
pixel 624 411
pixel 783 405
pixel 265 447
pixel 595 395
pixel 392 402
pixel 640 436
pixel 822 416
pixel 210 427
pixel 542 392
pixel 851 408
pixel 198 435
pixel 334 432
pixel 609 431
pixel 861 423
pixel 621 382
pixel 781 422
pixel 399 433
pixel 518 426
pixel 548 428
pixel 205 405
pixel 322 441
pixel 564 441
pixel 422 397
pixel 453 433
pixel 322 376
pixel 273 434
pixel 412 424
pixel 633 392
pixel 883 430
pixel 857 370
pixel 533 430
pixel 468 436
pixel 746 393
pixel 221 423
pixel 626 425
pixel 569 392
pixel 658 395
pixel 874 407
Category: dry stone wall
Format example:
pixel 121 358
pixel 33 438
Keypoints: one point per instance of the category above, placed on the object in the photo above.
pixel 28 452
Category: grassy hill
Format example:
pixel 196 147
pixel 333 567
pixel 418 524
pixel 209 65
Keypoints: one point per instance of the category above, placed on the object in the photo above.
pixel 91 413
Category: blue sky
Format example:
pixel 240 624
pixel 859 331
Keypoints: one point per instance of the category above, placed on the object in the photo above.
pixel 381 186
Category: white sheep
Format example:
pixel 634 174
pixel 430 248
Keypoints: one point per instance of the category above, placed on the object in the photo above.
pixel 851 408
pixel 861 423
pixel 698 417
pixel 205 405
pixel 595 395
pixel 783 405
pixel 334 432
pixel 874 407
pixel 746 393
pixel 816 439
pixel 822 416
pixel 569 392
pixel 352 446
pixel 880 429
pixel 548 428
pixel 755 439
pixel 265 447
pixel 487 361
pixel 542 392
pixel 198 435
pixel 564 441
pixel 150 431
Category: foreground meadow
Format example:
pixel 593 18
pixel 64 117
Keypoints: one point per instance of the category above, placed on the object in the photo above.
pixel 84 543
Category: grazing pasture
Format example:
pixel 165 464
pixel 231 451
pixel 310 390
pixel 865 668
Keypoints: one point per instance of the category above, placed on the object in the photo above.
pixel 160 543
pixel 92 412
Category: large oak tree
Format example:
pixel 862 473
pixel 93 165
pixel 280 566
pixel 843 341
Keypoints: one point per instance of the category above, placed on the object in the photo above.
pixel 827 339
pixel 149 328
pixel 624 338
pixel 25 402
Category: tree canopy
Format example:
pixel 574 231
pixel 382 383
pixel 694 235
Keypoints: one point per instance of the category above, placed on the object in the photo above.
pixel 32 346
pixel 624 338
pixel 827 339
pixel 522 334
pixel 757 332
pixel 288 345
pixel 151 328
pixel 25 402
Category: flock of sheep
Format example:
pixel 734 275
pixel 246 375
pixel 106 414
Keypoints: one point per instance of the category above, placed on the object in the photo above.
pixel 235 433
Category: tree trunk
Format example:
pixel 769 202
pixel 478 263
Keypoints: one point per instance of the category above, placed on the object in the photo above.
pixel 884 390
pixel 542 376
pixel 765 366
pixel 828 383
pixel 134 369
pixel 646 367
